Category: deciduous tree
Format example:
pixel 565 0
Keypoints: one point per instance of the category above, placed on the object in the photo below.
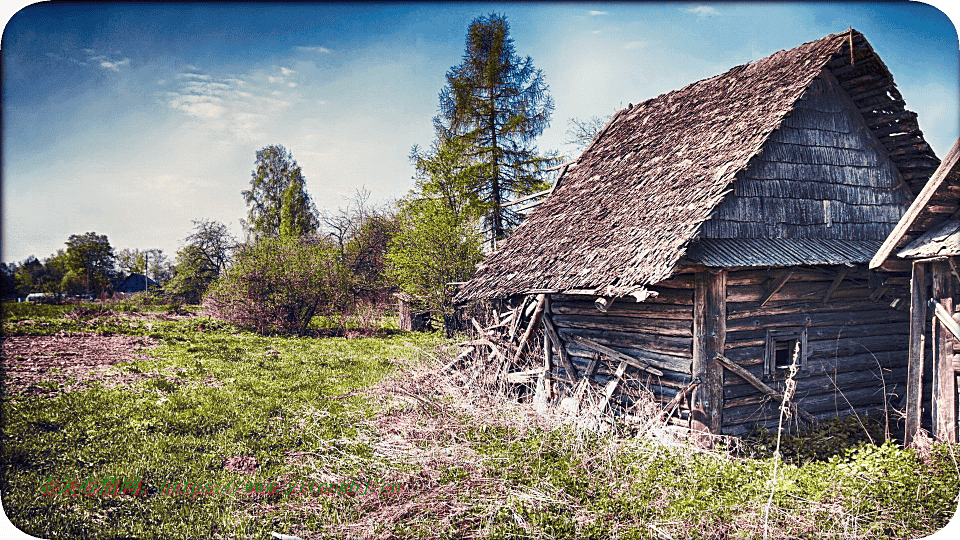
pixel 277 199
pixel 91 258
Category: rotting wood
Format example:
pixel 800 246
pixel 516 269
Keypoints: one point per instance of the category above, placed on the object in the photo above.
pixel 617 355
pixel 943 315
pixel 776 285
pixel 555 338
pixel 611 387
pixel 674 402
pixel 915 351
pixel 534 319
pixel 760 385
pixel 944 377
pixel 842 273
pixel 526 376
pixel 709 338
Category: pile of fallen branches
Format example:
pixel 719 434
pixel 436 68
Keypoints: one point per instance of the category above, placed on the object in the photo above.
pixel 518 354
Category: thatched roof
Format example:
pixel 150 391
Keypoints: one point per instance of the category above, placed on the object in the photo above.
pixel 933 215
pixel 625 213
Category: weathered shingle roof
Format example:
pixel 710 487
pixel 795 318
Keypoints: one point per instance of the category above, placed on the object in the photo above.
pixel 625 213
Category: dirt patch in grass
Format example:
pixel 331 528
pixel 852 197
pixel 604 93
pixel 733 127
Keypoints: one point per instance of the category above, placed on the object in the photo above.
pixel 64 362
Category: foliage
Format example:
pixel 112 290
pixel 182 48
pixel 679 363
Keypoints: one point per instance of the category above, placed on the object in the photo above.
pixel 277 200
pixel 202 261
pixel 277 285
pixel 496 103
pixel 90 257
pixel 135 261
pixel 435 247
pixel 361 233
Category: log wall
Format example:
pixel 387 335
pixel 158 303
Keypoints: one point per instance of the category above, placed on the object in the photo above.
pixel 658 330
pixel 856 343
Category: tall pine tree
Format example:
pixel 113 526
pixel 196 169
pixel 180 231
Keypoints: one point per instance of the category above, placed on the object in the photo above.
pixel 496 104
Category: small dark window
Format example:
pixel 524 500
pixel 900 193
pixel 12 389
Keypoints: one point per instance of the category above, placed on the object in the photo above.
pixel 782 344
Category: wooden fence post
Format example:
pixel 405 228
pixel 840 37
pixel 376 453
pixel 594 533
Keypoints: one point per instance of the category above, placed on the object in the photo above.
pixel 918 319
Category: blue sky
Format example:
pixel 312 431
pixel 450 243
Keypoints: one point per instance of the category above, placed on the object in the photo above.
pixel 133 120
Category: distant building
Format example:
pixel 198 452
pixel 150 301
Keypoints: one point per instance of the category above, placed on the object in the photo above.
pixel 135 283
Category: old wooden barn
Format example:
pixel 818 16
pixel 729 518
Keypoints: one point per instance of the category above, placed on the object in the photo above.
pixel 713 231
pixel 928 235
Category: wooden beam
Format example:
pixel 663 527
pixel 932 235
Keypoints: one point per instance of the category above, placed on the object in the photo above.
pixel 836 283
pixel 561 351
pixel 760 385
pixel 709 338
pixel 943 315
pixel 617 355
pixel 527 198
pixel 611 387
pixel 777 285
pixel 918 316
pixel 944 376
pixel 917 206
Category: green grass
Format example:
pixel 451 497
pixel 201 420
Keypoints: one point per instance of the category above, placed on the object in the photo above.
pixel 471 468
pixel 277 396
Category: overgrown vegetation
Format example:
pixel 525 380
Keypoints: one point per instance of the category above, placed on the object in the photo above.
pixel 214 403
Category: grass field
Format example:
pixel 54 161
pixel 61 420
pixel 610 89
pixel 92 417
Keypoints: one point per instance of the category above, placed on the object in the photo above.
pixel 219 433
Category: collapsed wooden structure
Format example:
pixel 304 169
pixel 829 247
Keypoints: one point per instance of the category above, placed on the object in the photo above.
pixel 929 236
pixel 707 235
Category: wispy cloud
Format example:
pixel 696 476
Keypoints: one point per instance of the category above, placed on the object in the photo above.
pixel 319 50
pixel 239 105
pixel 635 45
pixel 89 57
pixel 596 13
pixel 704 11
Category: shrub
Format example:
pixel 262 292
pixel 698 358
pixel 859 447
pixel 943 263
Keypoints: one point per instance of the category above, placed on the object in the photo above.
pixel 277 285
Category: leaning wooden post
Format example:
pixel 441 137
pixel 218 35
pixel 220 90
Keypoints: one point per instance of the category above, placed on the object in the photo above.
pixel 543 385
pixel 709 337
pixel 944 385
pixel 918 317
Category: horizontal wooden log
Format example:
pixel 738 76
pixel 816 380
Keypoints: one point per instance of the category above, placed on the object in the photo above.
pixel 672 367
pixel 842 405
pixel 741 310
pixel 823 384
pixel 625 308
pixel 748 338
pixel 808 290
pixel 613 353
pixel 838 318
pixel 834 366
pixel 839 347
pixel 657 344
pixel 608 321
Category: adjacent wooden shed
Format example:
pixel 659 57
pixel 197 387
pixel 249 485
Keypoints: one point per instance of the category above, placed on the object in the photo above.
pixel 714 230
pixel 928 235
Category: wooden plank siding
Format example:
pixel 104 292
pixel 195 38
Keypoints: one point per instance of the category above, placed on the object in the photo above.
pixel 856 347
pixel 822 175
pixel 658 330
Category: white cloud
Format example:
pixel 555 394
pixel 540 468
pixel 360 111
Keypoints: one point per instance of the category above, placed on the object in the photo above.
pixel 115 66
pixel 635 45
pixel 237 105
pixel 704 11
pixel 319 50
pixel 287 71
pixel 292 84
pixel 595 13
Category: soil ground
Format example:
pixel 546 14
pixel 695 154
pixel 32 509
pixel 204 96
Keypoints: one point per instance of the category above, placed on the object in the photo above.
pixel 66 362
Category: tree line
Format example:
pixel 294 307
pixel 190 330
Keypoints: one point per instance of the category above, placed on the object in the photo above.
pixel 294 262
